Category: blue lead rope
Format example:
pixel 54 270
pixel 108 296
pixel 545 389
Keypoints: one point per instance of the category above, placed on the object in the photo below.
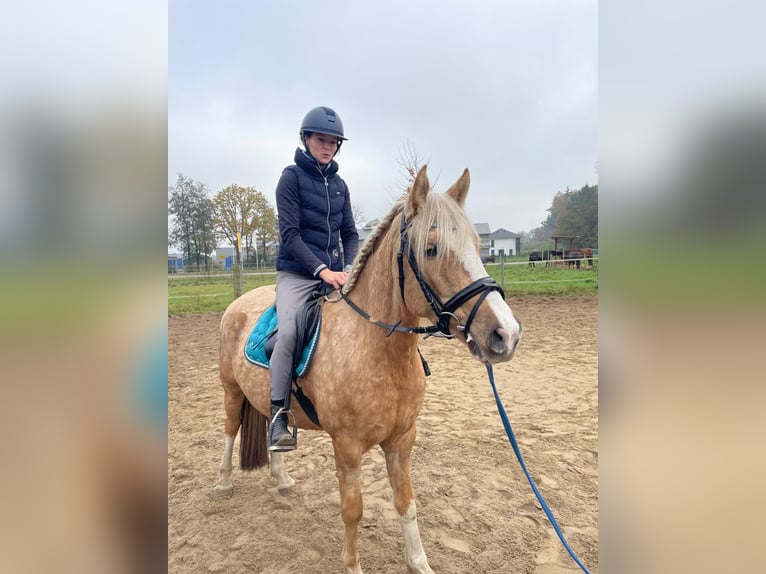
pixel 514 444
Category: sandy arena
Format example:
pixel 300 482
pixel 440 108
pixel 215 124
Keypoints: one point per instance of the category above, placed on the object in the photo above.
pixel 476 511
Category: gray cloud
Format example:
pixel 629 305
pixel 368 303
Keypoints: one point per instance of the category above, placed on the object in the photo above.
pixel 507 89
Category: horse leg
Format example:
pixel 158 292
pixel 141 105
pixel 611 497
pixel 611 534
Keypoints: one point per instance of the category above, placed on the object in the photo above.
pixel 398 464
pixel 348 465
pixel 278 471
pixel 233 398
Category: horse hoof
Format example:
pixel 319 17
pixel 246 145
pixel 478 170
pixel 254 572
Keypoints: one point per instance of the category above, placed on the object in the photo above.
pixel 223 491
pixel 286 484
pixel 285 490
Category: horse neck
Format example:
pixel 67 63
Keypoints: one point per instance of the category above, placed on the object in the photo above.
pixel 377 288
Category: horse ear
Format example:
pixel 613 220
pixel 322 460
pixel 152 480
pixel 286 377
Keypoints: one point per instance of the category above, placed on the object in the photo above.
pixel 459 189
pixel 418 193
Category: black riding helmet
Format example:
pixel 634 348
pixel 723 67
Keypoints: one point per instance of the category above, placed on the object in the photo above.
pixel 323 120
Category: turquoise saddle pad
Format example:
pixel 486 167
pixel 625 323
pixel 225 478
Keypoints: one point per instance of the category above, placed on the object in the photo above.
pixel 264 327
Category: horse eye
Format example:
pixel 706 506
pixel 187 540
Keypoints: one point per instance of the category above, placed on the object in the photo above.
pixel 431 251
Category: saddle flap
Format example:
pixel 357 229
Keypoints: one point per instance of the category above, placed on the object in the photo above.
pixel 261 342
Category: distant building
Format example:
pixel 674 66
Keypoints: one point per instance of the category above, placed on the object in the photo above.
pixel 221 253
pixel 175 262
pixel 494 243
pixel 484 232
pixel 504 242
pixel 365 231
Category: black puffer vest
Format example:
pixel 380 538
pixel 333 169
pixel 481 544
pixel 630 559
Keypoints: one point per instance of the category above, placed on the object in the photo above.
pixel 314 205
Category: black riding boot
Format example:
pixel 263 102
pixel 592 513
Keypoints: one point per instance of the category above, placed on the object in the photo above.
pixel 280 438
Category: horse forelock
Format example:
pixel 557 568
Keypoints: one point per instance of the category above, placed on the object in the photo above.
pixel 443 223
pixel 440 219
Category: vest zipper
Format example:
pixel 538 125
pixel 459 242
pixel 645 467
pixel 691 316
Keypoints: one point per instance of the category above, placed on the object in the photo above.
pixel 327 219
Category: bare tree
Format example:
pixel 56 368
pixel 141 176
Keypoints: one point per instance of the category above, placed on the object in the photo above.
pixel 358 215
pixel 410 162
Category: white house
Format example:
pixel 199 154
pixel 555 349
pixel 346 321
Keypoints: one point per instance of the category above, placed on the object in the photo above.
pixel 504 242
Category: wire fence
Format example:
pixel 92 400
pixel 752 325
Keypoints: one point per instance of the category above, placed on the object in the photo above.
pixel 203 275
pixel 508 274
pixel 552 262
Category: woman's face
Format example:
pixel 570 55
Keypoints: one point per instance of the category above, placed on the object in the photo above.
pixel 322 147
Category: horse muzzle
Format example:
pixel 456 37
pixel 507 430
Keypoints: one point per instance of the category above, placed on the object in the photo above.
pixel 497 346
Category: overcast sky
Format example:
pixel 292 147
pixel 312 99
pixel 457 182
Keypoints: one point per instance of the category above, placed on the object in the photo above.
pixel 507 89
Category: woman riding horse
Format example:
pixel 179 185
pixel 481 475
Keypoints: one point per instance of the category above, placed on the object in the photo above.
pixel 314 208
pixel 367 381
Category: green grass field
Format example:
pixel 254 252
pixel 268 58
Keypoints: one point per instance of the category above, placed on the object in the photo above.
pixel 213 293
pixel 518 278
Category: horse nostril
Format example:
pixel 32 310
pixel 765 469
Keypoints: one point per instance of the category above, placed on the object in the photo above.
pixel 498 341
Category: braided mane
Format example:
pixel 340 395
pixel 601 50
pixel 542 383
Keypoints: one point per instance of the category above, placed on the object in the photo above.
pixel 370 244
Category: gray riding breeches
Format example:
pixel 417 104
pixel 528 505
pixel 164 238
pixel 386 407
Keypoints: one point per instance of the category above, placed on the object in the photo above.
pixel 293 291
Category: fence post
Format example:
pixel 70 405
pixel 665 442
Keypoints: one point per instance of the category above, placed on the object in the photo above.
pixel 502 272
pixel 237 270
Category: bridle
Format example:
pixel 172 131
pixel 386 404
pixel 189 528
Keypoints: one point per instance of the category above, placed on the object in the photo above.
pixel 444 311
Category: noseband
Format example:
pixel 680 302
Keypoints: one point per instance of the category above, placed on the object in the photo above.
pixel 444 311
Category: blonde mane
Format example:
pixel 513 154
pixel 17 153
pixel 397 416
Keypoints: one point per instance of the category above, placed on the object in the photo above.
pixel 439 213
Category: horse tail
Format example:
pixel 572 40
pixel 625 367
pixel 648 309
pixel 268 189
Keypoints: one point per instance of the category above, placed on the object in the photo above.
pixel 252 438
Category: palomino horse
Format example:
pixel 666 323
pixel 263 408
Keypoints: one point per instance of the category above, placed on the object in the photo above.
pixel 367 381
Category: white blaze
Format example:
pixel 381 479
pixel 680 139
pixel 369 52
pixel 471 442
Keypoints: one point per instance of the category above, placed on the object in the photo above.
pixel 472 265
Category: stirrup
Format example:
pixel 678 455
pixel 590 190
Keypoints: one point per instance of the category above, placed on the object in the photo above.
pixel 283 447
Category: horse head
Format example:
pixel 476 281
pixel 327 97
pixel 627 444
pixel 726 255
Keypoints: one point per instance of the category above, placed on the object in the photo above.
pixel 445 276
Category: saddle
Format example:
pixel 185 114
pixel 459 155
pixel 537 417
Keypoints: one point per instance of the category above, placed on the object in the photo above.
pixel 263 338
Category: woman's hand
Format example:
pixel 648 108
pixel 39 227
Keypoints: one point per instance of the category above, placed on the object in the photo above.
pixel 335 278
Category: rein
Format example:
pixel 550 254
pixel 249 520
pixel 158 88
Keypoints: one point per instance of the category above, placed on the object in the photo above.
pixel 396 327
pixel 517 451
pixel 444 311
